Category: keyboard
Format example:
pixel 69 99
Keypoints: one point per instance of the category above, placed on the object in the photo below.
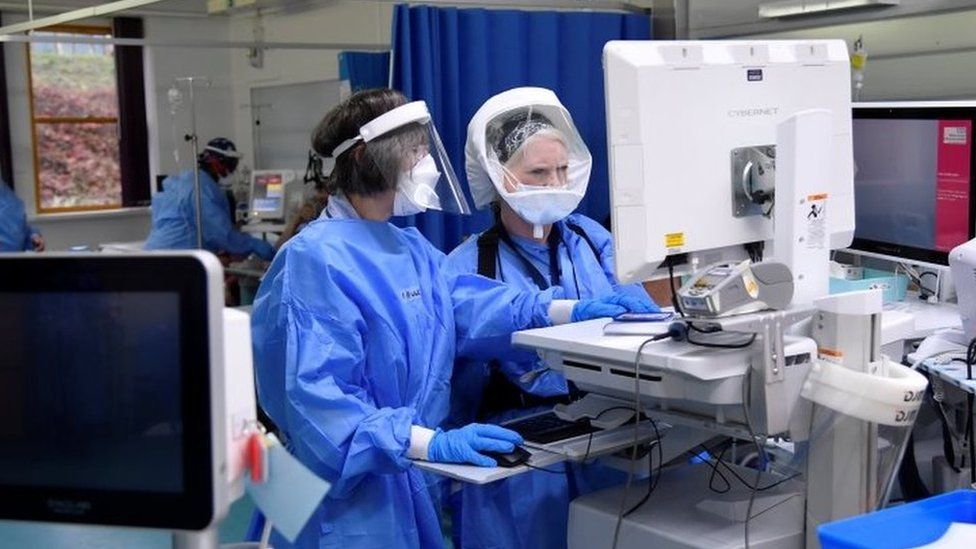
pixel 547 428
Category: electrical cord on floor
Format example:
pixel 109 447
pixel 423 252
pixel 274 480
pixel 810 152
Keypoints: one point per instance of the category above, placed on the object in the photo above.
pixel 637 411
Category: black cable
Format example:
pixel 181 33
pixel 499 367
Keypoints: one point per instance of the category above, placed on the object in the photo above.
pixel 637 411
pixel 654 476
pixel 949 435
pixel 589 443
pixel 714 463
pixel 972 438
pixel 674 291
pixel 720 461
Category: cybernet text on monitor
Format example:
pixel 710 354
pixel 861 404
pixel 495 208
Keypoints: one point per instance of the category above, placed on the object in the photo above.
pixel 914 176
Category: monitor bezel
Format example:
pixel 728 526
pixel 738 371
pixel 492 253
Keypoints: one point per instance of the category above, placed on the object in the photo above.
pixel 193 507
pixel 919 112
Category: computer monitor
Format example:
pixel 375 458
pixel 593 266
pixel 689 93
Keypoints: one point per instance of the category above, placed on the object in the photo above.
pixel 679 112
pixel 270 193
pixel 113 392
pixel 914 178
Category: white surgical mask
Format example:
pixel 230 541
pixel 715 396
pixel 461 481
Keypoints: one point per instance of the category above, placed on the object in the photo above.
pixel 543 205
pixel 416 188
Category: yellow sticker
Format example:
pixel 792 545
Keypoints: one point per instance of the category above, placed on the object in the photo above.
pixel 674 240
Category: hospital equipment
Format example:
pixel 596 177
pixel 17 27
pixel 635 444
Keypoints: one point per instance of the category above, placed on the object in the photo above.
pixel 914 179
pixel 762 169
pixel 735 288
pixel 274 195
pixel 128 397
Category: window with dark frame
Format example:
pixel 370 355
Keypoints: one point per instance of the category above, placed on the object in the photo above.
pixel 74 120
pixel 88 119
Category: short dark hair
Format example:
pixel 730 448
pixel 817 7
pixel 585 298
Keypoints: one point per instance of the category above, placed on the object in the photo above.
pixel 351 175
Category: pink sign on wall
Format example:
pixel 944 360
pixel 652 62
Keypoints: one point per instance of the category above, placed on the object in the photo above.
pixel 952 184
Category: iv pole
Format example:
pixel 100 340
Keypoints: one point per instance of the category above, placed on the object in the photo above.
pixel 194 140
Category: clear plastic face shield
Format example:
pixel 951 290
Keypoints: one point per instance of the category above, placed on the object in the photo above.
pixel 405 148
pixel 524 142
pixel 861 422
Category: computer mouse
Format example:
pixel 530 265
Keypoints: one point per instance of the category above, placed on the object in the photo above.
pixel 518 456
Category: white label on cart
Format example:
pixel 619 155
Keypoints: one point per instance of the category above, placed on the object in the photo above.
pixel 816 221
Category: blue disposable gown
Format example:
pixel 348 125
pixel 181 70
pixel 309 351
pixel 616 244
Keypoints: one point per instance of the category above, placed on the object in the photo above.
pixel 530 510
pixel 174 225
pixel 355 330
pixel 15 233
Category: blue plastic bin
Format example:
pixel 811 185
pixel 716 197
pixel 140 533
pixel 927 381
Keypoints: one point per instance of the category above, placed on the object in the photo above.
pixel 901 527
pixel 893 286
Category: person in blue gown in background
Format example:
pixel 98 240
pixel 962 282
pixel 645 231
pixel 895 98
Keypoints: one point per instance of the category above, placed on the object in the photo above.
pixel 174 209
pixel 15 234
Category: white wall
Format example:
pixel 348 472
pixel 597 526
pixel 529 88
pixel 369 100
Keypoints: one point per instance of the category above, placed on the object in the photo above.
pixel 346 22
pixel 214 104
pixel 214 110
pixel 920 57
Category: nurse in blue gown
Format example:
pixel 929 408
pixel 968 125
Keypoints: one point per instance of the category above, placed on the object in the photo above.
pixel 526 160
pixel 356 326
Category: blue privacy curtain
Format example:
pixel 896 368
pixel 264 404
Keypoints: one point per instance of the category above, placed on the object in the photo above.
pixel 455 59
pixel 365 69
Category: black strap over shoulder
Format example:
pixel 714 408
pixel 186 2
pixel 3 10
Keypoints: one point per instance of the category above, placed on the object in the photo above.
pixel 582 234
pixel 488 256
pixel 488 251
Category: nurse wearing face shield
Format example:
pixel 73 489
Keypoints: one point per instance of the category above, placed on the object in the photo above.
pixel 526 161
pixel 356 327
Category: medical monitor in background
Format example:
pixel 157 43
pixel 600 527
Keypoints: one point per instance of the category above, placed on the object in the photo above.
pixel 271 193
pixel 112 390
pixel 692 126
pixel 913 179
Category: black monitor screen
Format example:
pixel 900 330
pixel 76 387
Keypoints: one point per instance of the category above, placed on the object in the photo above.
pixel 105 401
pixel 913 182
pixel 90 390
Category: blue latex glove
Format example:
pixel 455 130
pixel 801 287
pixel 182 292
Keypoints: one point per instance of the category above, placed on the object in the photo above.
pixel 612 305
pixel 462 445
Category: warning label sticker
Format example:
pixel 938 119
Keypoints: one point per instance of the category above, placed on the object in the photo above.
pixel 816 221
pixel 674 240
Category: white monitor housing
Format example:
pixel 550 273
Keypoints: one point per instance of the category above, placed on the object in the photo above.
pixel 682 118
pixel 962 262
